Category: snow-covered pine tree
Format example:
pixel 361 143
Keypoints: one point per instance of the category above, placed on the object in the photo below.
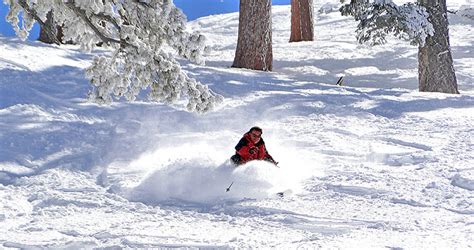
pixel 302 24
pixel 424 24
pixel 378 18
pixel 254 44
pixel 138 33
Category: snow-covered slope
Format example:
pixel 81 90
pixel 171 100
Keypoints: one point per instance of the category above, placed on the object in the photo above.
pixel 373 163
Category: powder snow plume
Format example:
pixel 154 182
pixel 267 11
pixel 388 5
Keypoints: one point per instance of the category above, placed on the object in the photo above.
pixel 198 181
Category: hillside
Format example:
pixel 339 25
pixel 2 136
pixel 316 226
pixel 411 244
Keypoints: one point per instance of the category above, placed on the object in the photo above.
pixel 371 164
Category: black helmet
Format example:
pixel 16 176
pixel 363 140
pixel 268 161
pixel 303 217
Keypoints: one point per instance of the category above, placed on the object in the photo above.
pixel 256 129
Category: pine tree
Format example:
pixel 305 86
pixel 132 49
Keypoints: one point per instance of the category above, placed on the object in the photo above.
pixel 422 24
pixel 136 32
pixel 302 24
pixel 254 45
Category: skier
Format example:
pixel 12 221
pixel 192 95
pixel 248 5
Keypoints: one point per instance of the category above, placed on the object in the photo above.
pixel 251 147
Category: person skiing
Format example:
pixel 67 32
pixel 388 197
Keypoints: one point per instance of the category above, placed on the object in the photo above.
pixel 251 147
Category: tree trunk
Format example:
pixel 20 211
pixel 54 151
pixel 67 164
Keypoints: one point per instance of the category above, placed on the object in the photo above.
pixel 435 63
pixel 49 32
pixel 302 28
pixel 254 45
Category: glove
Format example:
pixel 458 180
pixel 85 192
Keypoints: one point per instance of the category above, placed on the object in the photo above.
pixel 253 150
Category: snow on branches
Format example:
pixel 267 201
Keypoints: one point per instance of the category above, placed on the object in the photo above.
pixel 140 33
pixel 377 18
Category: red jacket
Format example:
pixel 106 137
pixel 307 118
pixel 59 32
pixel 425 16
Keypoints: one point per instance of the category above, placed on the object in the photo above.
pixel 249 151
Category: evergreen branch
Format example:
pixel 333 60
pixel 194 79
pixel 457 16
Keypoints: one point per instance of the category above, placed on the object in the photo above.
pixel 82 14
pixel 108 19
pixel 142 3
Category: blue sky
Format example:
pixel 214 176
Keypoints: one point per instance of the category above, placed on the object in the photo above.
pixel 192 8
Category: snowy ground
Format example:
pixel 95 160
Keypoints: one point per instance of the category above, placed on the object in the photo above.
pixel 373 164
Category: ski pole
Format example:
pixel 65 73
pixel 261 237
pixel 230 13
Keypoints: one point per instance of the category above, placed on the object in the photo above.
pixel 228 189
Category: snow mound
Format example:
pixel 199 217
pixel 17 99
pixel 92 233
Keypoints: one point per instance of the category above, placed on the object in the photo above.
pixel 462 182
pixel 199 181
pixel 329 8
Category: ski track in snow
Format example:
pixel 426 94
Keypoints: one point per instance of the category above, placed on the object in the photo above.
pixel 371 164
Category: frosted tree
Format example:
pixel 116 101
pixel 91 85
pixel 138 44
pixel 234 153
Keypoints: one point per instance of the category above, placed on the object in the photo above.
pixel 424 24
pixel 302 24
pixel 254 45
pixel 139 34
